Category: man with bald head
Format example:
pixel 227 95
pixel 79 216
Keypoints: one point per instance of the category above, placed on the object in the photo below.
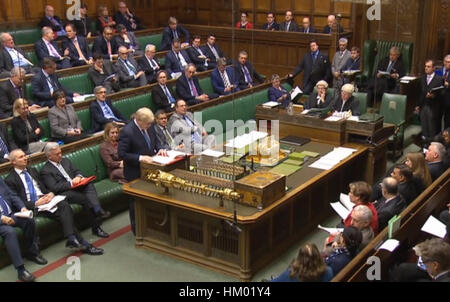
pixel 130 74
pixel 434 157
pixel 13 56
pixel 149 63
pixel 48 48
pixel 52 21
pixel 332 25
pixel 391 204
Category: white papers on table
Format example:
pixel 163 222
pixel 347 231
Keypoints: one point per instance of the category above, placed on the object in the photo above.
pixel 434 227
pixel 342 211
pixel 389 245
pixel 384 73
pixel 164 160
pixel 350 72
pixel 353 118
pixel 271 104
pixel 82 98
pixel 296 92
pixel 51 206
pixel 407 79
pixel 333 158
pixel 213 153
pixel 345 200
pixel 176 75
pixel 246 139
pixel 330 230
pixel 305 111
pixel 26 214
pixel 333 118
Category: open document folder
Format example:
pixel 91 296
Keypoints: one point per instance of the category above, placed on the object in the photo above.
pixel 165 160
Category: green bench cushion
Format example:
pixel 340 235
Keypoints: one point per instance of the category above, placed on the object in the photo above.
pixel 152 39
pixel 26 36
pixel 80 83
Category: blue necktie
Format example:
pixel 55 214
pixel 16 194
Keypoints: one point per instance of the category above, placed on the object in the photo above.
pixel 31 189
pixel 175 34
pixel 107 111
pixel 131 67
pixel 195 136
pixel 3 146
pixel 247 75
pixel 147 138
pixel 169 96
pixel 5 210
pixel 314 55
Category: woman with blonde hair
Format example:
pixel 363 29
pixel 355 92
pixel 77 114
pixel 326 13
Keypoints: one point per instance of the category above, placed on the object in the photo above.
pixel 110 154
pixel 27 132
pixel 416 162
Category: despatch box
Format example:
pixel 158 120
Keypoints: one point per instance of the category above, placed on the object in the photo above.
pixel 261 189
pixel 181 163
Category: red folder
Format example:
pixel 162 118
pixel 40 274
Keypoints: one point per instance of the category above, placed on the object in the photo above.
pixel 84 182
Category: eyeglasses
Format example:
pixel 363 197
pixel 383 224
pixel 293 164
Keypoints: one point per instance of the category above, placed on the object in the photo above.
pixel 124 53
pixel 101 92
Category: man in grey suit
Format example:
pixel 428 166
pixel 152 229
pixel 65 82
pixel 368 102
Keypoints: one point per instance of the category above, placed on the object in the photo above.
pixel 340 58
pixel 130 74
pixel 289 25
pixel 163 135
pixel 186 130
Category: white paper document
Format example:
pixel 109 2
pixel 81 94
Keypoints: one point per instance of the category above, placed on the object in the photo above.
pixel 27 214
pixel 51 206
pixel 164 160
pixel 271 104
pixel 345 200
pixel 213 153
pixel 246 139
pixel 407 79
pixel 333 118
pixel 296 92
pixel 353 119
pixel 330 230
pixel 389 245
pixel 340 209
pixel 435 227
pixel 82 98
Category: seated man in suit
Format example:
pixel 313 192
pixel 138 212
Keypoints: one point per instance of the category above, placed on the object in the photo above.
pixel 52 21
pixel 84 24
pixel 125 17
pixel 174 31
pixel 271 23
pixel 353 63
pixel 188 87
pixel 380 83
pixel 430 104
pixel 321 98
pixel 103 111
pixel 27 184
pixel 137 144
pixel 128 39
pixel 316 66
pixel 245 73
pixel 197 55
pixel 177 60
pixel 13 56
pixel 79 52
pixel 278 93
pixel 407 187
pixel 289 24
pixel 149 63
pixel 7 144
pixel 162 133
pixel 106 45
pixel 307 28
pixel 130 74
pixel 391 203
pixel 9 204
pixel 103 73
pixel 46 82
pixel 163 95
pixel 48 48
pixel 60 175
pixel 223 78
pixel 434 157
pixel 11 90
pixel 346 101
pixel 213 51
pixel 187 131
pixel 332 26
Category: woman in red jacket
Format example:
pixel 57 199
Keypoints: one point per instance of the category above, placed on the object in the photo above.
pixel 244 23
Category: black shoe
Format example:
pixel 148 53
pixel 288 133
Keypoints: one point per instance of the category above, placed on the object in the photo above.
pixel 26 276
pixel 74 244
pixel 104 214
pixel 99 232
pixel 92 250
pixel 38 259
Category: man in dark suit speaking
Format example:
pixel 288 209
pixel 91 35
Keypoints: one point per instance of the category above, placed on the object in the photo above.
pixel 137 144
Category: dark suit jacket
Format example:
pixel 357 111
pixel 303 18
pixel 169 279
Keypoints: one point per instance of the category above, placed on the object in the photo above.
pixel 218 83
pixel 312 101
pixel 121 19
pixel 124 75
pixel 352 64
pixel 131 145
pixel 42 52
pixel 314 71
pixel 312 30
pixel 172 63
pixel 161 138
pixel 293 27
pixel 409 191
pixel 98 119
pixel 134 43
pixel 275 94
pixel 160 99
pixel 101 47
pixel 46 22
pixel 168 36
pixel 241 76
pixel 436 169
pixel 54 180
pixel 73 52
pixel 327 29
pixel 398 67
pixel 437 81
pixel 388 210
pixel 21 135
pixel 209 54
pixel 16 185
pixel 7 140
pixel 41 91
pixel 184 90
pixel 274 26
pixel 150 73
pixel 351 104
pixel 14 201
pixel 84 27
pixel 8 96
pixel 194 56
pixel 97 77
pixel 6 62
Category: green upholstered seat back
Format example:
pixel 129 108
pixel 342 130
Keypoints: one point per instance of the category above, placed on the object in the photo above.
pixel 83 160
pixel 129 106
pixel 362 98
pixel 26 36
pixel 393 109
pixel 152 39
pixel 102 170
pixel 383 47
pixel 80 83
pixel 206 85
pixel 86 119
pixel 33 58
pixel 45 123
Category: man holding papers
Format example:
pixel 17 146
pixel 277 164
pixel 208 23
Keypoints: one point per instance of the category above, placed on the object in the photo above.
pixel 26 183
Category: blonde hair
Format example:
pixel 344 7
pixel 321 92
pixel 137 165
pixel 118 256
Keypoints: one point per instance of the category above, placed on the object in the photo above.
pixel 420 167
pixel 17 104
pixel 145 115
pixel 108 128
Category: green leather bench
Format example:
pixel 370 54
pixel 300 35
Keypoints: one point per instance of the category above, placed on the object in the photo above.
pixel 129 106
pixel 152 39
pixel 26 36
pixel 33 58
